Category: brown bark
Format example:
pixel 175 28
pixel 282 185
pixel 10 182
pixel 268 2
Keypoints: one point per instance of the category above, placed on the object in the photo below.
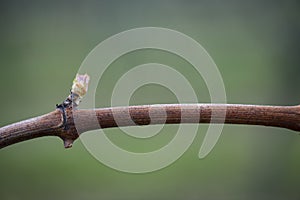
pixel 52 124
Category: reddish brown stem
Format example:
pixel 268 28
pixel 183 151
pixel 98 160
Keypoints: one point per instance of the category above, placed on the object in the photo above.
pixel 51 124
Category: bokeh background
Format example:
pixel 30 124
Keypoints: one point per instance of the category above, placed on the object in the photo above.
pixel 255 45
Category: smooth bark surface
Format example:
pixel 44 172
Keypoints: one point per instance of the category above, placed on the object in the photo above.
pixel 52 124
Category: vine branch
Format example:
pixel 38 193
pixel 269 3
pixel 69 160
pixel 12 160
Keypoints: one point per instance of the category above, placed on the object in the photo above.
pixel 61 122
pixel 52 124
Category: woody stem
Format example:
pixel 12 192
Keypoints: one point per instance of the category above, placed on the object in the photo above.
pixel 80 121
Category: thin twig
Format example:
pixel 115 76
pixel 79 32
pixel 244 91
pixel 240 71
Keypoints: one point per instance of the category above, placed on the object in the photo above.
pixel 61 122
pixel 52 124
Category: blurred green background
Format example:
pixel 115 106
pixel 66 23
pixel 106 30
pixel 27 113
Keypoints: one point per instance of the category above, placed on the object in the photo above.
pixel 255 44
